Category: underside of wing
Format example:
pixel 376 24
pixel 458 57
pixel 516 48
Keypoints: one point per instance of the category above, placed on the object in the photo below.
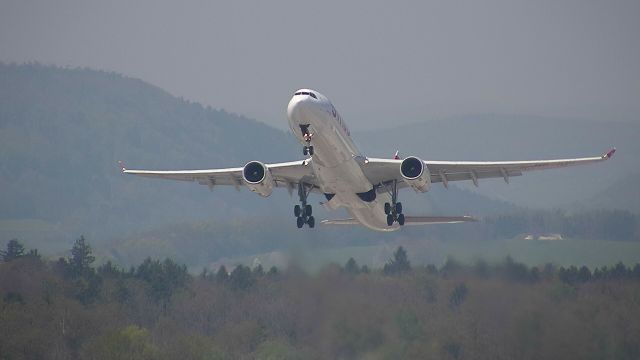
pixel 382 171
pixel 287 174
pixel 228 176
pixel 445 171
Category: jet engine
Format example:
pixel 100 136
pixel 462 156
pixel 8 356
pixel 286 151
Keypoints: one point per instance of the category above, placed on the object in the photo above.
pixel 415 174
pixel 258 178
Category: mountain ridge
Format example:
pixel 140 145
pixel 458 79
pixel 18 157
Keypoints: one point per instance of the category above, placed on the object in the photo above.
pixel 62 132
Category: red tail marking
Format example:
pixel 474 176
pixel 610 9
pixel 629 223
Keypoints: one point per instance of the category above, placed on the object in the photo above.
pixel 609 154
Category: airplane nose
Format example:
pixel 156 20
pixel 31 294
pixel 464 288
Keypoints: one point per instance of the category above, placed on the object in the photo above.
pixel 300 106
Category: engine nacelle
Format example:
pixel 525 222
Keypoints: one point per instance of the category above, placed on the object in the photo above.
pixel 415 174
pixel 258 178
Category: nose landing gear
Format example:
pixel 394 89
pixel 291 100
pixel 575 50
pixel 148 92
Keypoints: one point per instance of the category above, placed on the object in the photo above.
pixel 394 210
pixel 303 211
pixel 307 150
pixel 306 135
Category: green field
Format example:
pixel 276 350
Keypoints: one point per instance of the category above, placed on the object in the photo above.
pixel 592 253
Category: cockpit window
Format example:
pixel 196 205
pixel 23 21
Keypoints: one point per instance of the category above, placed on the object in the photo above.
pixel 306 93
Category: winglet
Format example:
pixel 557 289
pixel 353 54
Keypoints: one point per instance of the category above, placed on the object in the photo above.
pixel 121 164
pixel 396 156
pixel 609 153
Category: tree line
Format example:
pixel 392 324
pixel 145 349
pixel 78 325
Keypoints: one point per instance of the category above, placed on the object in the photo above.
pixel 615 225
pixel 70 308
pixel 597 224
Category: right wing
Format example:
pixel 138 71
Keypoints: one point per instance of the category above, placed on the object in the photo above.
pixel 381 171
pixel 288 174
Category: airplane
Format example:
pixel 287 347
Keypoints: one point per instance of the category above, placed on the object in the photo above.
pixel 334 167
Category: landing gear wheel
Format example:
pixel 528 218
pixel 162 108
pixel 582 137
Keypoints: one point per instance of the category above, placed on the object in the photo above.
pixel 310 150
pixel 399 208
pixel 303 211
pixel 389 219
pixel 305 150
pixel 394 209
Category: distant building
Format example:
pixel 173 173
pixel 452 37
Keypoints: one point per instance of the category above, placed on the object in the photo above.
pixel 550 237
pixel 542 237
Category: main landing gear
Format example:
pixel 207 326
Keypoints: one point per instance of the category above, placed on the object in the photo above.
pixel 303 211
pixel 306 135
pixel 394 210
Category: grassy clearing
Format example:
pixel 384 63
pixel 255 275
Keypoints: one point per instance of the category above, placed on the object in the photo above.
pixel 592 253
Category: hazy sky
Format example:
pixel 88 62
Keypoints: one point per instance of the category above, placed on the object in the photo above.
pixel 381 62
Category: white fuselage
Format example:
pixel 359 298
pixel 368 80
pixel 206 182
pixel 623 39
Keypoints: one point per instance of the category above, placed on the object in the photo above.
pixel 336 160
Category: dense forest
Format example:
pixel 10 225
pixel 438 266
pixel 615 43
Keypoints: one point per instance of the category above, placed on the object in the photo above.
pixel 70 308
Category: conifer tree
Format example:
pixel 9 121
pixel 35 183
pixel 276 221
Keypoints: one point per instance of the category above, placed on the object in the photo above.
pixel 14 251
pixel 351 266
pixel 399 264
pixel 222 275
pixel 81 256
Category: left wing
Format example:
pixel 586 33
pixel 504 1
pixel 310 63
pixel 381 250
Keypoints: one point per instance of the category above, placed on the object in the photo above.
pixel 287 174
pixel 381 171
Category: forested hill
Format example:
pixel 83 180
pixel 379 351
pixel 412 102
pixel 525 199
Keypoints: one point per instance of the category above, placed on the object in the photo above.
pixel 62 132
pixel 621 194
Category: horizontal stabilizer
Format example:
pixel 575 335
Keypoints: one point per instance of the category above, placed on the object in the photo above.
pixel 425 220
pixel 340 222
pixel 410 220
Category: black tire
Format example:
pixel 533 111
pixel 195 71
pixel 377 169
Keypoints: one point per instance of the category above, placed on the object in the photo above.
pixel 399 208
pixel 387 208
pixel 305 150
pixel 300 222
pixel 308 210
pixel 311 150
pixel 389 219
pixel 297 211
pixel 311 221
pixel 401 219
